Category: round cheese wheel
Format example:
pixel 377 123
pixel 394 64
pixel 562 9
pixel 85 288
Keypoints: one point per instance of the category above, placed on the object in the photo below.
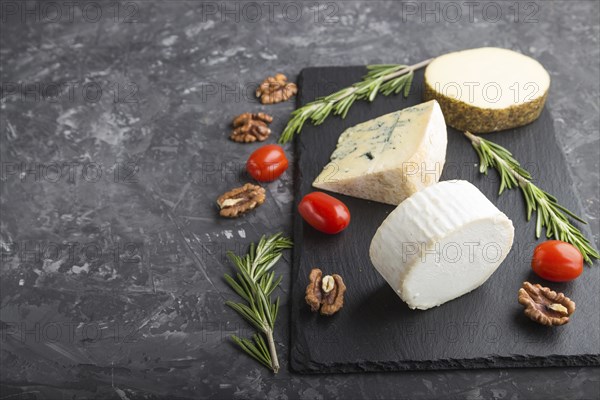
pixel 487 89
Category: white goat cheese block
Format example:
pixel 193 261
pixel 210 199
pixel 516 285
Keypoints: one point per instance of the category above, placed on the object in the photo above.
pixel 441 243
pixel 389 158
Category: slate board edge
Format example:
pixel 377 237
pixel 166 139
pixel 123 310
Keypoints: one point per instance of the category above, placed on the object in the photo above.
pixel 517 361
pixel 297 349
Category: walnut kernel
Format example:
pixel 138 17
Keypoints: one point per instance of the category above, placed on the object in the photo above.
pixel 250 127
pixel 241 200
pixel 325 294
pixel 328 283
pixel 276 89
pixel 544 305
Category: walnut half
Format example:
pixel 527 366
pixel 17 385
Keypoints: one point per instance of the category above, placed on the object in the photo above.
pixel 250 127
pixel 325 293
pixel 241 200
pixel 276 89
pixel 545 306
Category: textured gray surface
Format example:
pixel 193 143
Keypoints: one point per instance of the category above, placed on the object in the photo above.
pixel 111 286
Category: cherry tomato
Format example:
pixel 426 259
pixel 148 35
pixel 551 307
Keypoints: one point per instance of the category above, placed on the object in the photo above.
pixel 324 212
pixel 557 261
pixel 267 163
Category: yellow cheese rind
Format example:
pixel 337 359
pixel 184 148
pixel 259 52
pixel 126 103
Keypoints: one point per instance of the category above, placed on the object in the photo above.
pixel 487 89
pixel 465 117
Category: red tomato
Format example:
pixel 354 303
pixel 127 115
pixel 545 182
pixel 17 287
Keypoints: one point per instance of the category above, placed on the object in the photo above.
pixel 557 261
pixel 324 212
pixel 267 163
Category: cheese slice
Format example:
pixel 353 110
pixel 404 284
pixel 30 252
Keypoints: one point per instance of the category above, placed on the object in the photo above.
pixel 389 158
pixel 441 243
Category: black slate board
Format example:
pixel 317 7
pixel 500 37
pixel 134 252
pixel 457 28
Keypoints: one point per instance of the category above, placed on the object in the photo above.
pixel 484 329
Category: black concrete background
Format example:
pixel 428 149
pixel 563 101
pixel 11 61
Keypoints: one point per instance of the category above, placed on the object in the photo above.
pixel 113 128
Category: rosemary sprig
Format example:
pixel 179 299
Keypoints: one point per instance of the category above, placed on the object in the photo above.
pixel 550 214
pixel 381 78
pixel 254 282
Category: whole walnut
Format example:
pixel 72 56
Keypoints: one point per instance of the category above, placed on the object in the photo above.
pixel 325 293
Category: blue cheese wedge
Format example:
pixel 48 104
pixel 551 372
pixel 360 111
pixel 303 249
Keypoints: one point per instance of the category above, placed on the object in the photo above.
pixel 441 243
pixel 389 158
